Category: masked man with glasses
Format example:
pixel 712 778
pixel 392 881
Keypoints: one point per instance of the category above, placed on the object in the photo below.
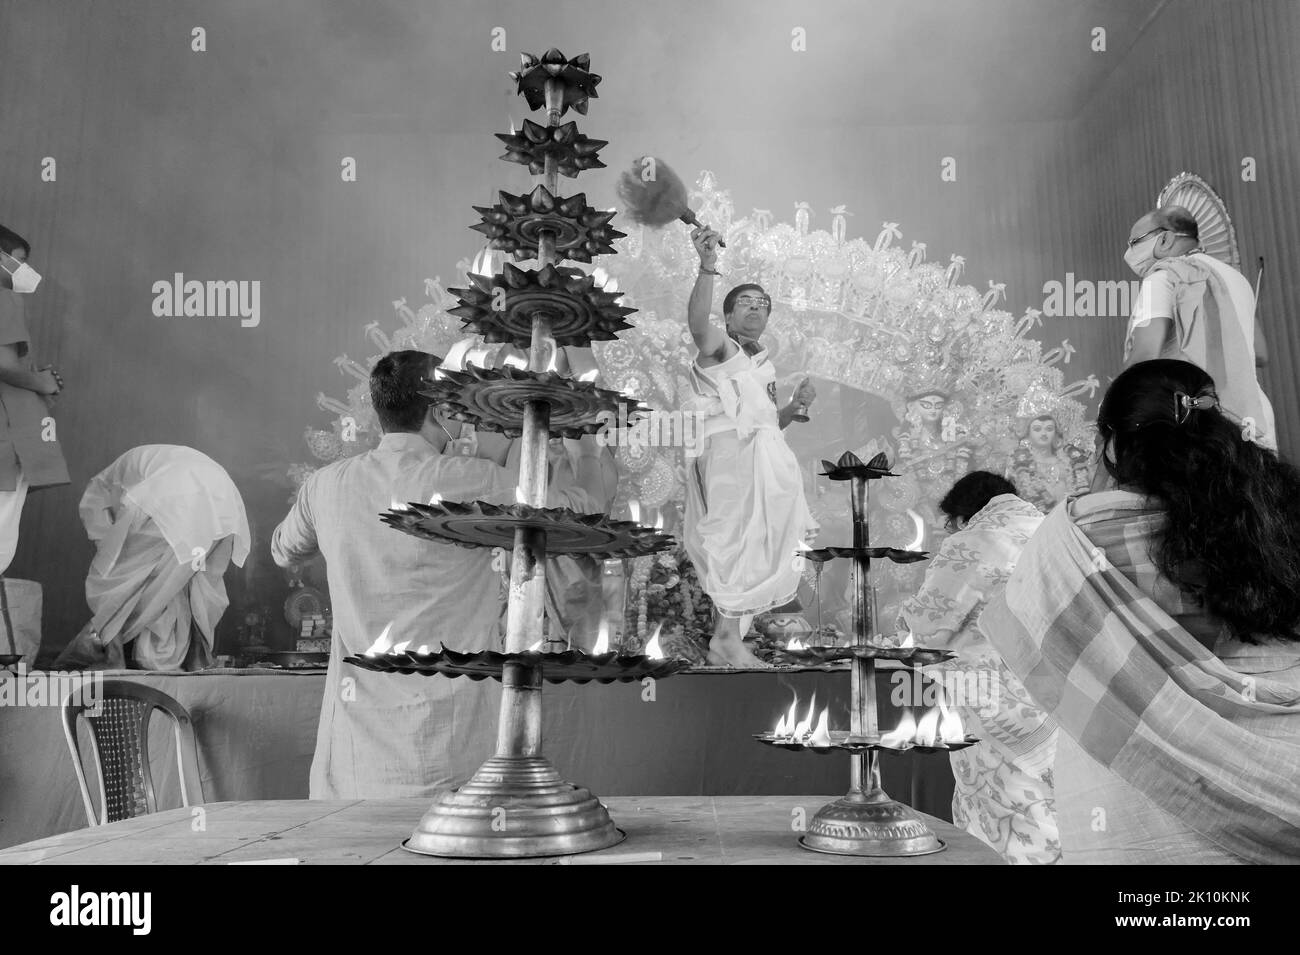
pixel 745 509
pixel 30 456
pixel 1194 308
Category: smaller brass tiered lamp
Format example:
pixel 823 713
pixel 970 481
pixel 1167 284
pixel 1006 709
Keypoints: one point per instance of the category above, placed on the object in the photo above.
pixel 865 821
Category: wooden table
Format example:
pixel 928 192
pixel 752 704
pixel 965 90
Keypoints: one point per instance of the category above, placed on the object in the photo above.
pixel 686 830
pixel 257 731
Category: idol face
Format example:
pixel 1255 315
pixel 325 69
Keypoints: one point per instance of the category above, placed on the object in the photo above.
pixel 1042 434
pixel 749 314
pixel 930 408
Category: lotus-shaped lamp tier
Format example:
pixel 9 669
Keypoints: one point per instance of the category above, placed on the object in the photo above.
pixel 567 666
pixel 850 466
pixel 500 307
pixel 908 656
pixel 480 524
pixel 497 399
pixel 819 555
pixel 579 83
pixel 839 741
pixel 572 151
pixel 516 224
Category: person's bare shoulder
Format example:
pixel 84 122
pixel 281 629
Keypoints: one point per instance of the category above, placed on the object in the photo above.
pixel 716 354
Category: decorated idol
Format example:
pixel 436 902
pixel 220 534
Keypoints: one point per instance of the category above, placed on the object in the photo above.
pixel 1044 468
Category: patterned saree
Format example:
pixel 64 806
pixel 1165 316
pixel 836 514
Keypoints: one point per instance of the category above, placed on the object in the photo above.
pixel 1177 745
pixel 1003 784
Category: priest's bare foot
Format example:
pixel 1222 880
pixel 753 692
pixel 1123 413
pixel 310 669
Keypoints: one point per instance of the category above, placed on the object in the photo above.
pixel 730 651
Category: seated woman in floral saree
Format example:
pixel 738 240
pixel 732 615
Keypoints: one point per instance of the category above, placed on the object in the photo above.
pixel 1157 624
pixel 1002 785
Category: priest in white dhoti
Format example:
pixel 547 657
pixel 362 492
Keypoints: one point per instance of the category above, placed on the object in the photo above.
pixel 384 736
pixel 166 522
pixel 1195 308
pixel 746 516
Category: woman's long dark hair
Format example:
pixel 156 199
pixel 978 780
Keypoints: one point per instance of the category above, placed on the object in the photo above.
pixel 1233 531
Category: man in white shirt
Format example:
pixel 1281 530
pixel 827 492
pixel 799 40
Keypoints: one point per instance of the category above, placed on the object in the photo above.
pixel 1195 308
pixel 385 735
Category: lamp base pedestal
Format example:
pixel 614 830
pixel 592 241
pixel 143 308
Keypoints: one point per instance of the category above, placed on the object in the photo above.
pixel 870 824
pixel 514 808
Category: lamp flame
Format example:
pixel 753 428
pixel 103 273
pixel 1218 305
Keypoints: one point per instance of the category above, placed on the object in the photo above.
pixel 536 647
pixel 659 521
pixel 602 638
pixel 927 730
pixel 797 644
pixel 909 640
pixel 401 647
pixel 919 539
pixel 805 727
pixel 785 725
pixel 652 648
pixel 951 729
pixel 458 355
pixel 591 375
pixel 383 644
pixel 520 497
pixel 800 562
pixel 822 735
pixel 395 505
pixel 479 355
pixel 436 499
pixel 901 734
pixel 634 511
pixel 483 262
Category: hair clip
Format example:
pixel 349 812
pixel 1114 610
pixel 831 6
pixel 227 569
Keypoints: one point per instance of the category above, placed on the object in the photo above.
pixel 1184 404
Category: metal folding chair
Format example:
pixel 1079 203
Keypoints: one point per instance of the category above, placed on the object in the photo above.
pixel 119 748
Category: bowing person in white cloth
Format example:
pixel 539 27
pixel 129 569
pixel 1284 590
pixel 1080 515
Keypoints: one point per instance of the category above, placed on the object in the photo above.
pixel 745 509
pixel 166 522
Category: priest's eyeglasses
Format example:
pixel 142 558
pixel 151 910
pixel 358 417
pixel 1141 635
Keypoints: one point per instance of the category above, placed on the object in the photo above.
pixel 1147 235
pixel 754 301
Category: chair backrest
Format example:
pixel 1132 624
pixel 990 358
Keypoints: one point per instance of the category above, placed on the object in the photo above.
pixel 119 747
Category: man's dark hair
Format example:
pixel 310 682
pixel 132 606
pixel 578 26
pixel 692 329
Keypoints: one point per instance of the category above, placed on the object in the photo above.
pixel 729 302
pixel 395 384
pixel 1176 219
pixel 9 241
pixel 969 495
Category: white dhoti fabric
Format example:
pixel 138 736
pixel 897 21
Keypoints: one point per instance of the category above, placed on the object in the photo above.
pixel 166 522
pixel 11 515
pixel 140 594
pixel 746 514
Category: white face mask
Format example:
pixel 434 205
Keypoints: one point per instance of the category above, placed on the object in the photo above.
pixel 1142 257
pixel 25 278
